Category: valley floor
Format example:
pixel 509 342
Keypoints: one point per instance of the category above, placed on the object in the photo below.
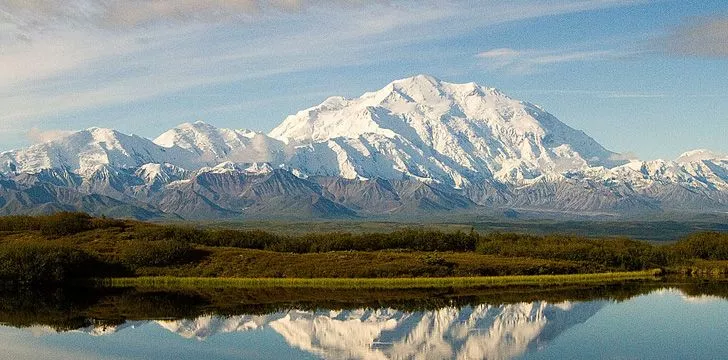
pixel 70 246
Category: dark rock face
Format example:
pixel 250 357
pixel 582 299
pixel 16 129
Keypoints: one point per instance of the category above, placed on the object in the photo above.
pixel 279 193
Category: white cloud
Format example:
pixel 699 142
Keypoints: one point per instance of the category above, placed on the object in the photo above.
pixel 530 61
pixel 499 53
pixel 141 12
pixel 36 135
pixel 64 57
pixel 621 94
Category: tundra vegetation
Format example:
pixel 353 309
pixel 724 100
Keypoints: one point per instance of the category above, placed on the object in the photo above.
pixel 64 246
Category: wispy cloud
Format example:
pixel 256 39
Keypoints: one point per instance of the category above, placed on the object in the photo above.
pixel 60 57
pixel 530 61
pixel 36 135
pixel 705 37
pixel 622 94
pixel 131 13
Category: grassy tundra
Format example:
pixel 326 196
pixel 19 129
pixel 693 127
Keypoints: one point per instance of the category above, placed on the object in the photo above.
pixel 64 246
pixel 379 283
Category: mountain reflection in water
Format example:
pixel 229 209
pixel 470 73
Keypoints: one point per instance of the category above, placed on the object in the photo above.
pixel 477 332
pixel 459 331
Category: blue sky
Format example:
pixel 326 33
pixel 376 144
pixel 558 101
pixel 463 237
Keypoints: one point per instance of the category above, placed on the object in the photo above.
pixel 645 77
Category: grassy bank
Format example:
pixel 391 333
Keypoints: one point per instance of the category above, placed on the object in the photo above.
pixel 702 268
pixel 381 283
pixel 66 246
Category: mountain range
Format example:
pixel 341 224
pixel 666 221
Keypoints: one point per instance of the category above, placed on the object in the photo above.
pixel 417 147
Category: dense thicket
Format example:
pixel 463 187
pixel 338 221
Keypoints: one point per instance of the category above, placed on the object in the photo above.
pixel 58 224
pixel 137 253
pixel 705 245
pixel 620 253
pixel 612 253
pixel 417 240
pixel 20 223
pixel 30 264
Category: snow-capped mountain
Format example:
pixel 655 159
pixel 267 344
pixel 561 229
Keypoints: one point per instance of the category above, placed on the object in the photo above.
pixel 84 151
pixel 213 145
pixel 417 146
pixel 453 133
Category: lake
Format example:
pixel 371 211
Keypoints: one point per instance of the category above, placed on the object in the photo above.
pixel 626 321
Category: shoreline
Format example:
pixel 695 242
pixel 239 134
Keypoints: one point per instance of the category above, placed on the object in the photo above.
pixel 375 283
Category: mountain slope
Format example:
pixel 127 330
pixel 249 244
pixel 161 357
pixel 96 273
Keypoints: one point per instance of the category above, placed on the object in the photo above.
pixel 427 128
pixel 84 151
pixel 215 145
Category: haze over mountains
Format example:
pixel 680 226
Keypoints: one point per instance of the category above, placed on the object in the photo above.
pixel 417 146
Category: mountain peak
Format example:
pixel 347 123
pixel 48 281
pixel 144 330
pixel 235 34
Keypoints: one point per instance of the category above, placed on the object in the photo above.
pixel 103 134
pixel 699 155
pixel 214 145
pixel 418 80
pixel 84 151
pixel 430 129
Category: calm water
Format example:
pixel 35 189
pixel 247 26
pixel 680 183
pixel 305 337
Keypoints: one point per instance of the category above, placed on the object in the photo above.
pixel 636 323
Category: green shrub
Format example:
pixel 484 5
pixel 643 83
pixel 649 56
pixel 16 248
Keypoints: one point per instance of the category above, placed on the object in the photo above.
pixel 65 223
pixel 705 245
pixel 137 253
pixel 107 223
pixel 612 253
pixel 170 232
pixel 28 264
pixel 19 223
pixel 58 224
pixel 418 240
pixel 251 239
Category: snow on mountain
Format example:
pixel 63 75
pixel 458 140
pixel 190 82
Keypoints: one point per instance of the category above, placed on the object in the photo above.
pixel 229 167
pixel 215 145
pixel 157 174
pixel 691 171
pixel 418 144
pixel 431 129
pixel 186 147
pixel 700 155
pixel 84 151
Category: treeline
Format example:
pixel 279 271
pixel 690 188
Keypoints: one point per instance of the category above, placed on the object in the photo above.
pixel 415 240
pixel 625 254
pixel 704 245
pixel 58 224
pixel 70 223
pixel 620 253
pixel 31 263
pixel 136 245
